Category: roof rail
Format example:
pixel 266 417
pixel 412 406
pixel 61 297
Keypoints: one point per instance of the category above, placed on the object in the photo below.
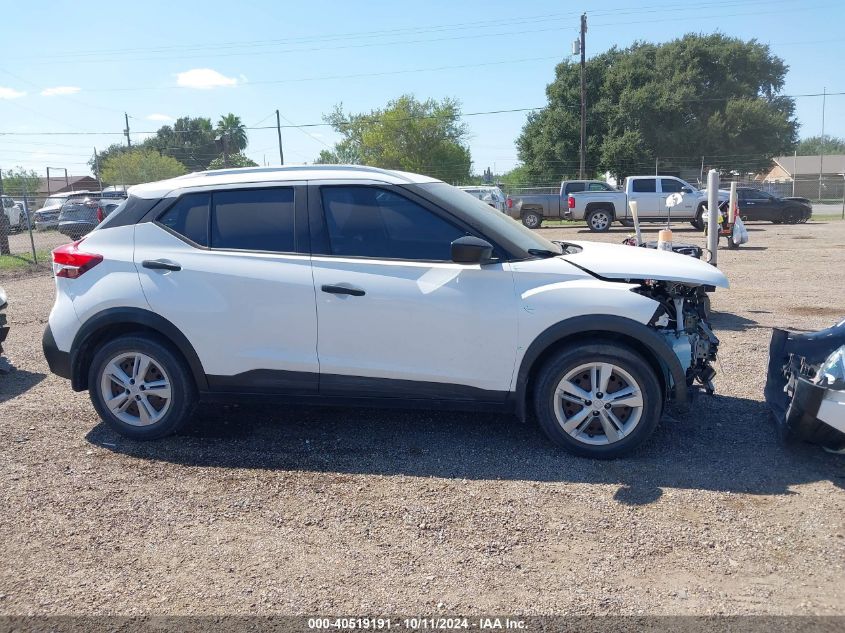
pixel 265 170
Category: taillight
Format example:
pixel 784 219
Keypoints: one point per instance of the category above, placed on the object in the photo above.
pixel 100 215
pixel 70 262
pixel 510 202
pixel 571 202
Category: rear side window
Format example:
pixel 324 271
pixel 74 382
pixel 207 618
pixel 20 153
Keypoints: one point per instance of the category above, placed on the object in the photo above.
pixel 365 221
pixel 254 219
pixel 574 187
pixel 644 185
pixel 189 217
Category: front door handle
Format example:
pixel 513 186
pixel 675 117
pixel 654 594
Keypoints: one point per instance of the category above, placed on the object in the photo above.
pixel 160 264
pixel 343 290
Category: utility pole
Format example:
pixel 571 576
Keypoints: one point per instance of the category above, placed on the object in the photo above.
pixel 126 131
pixel 583 95
pixel 279 132
pixel 821 152
pixel 794 170
pixel 97 165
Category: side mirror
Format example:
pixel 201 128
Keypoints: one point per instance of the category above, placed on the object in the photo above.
pixel 471 250
pixel 686 190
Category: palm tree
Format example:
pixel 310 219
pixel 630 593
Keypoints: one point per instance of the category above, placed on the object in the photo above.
pixel 232 134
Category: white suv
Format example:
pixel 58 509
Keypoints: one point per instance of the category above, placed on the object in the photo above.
pixel 344 284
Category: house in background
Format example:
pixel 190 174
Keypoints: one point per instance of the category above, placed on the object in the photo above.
pixel 811 177
pixel 60 185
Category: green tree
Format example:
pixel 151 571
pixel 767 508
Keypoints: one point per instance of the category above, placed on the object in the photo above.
pixel 140 165
pixel 235 160
pixel 189 140
pixel 813 145
pixel 426 137
pixel 96 164
pixel 700 95
pixel 18 180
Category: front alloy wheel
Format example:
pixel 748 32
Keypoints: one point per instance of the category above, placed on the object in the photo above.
pixel 599 400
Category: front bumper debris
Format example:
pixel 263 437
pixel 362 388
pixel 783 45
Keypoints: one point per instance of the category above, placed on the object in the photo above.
pixel 801 406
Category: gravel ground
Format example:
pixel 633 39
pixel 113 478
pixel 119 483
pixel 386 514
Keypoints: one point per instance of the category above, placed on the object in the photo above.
pixel 303 511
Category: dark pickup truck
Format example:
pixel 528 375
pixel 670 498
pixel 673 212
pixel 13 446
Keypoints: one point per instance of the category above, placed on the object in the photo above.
pixel 532 209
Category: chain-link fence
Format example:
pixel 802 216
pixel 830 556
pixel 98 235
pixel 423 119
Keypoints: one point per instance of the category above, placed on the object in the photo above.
pixel 25 240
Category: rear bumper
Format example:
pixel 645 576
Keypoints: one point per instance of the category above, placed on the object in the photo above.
pixel 58 361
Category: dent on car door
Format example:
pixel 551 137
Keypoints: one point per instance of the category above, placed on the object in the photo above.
pixel 230 269
pixel 397 318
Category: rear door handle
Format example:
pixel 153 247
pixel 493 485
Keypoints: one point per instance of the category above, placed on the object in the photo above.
pixel 343 290
pixel 160 264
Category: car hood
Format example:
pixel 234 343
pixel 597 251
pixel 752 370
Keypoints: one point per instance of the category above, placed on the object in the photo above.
pixel 617 261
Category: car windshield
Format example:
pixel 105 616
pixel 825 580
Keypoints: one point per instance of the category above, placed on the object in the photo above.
pixel 527 240
pixel 52 202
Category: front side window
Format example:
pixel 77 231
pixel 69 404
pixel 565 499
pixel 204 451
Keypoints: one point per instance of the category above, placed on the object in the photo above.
pixel 671 186
pixel 189 217
pixel 365 221
pixel 644 185
pixel 254 220
pixel 599 186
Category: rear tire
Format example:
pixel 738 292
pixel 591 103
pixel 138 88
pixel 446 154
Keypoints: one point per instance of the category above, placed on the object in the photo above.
pixel 141 388
pixel 599 220
pixel 576 415
pixel 532 220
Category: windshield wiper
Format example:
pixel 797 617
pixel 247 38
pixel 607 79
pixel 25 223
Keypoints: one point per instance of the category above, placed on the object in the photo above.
pixel 542 252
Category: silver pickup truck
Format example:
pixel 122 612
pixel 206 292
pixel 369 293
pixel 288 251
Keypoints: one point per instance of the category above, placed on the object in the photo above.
pixel 532 209
pixel 601 209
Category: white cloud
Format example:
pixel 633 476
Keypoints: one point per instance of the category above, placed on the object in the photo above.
pixel 60 90
pixel 10 93
pixel 204 79
pixel 159 117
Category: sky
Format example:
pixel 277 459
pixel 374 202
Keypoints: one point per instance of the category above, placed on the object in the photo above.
pixel 76 67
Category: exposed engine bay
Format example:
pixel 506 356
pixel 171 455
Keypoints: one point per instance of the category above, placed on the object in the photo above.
pixel 682 319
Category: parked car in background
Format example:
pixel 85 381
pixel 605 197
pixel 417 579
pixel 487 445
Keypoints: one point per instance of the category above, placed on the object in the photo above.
pixel 463 306
pixel 493 196
pixel 110 199
pixel 47 217
pixel 14 214
pixel 601 208
pixel 78 216
pixel 755 204
pixel 532 209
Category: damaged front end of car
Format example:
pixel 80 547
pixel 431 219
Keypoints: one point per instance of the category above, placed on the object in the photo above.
pixel 682 319
pixel 805 385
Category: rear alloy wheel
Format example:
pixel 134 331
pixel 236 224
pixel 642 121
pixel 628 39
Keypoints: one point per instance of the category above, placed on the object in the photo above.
pixel 532 220
pixel 599 220
pixel 141 388
pixel 598 400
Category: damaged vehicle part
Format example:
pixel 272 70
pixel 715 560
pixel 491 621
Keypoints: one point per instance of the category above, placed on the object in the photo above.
pixel 805 385
pixel 5 367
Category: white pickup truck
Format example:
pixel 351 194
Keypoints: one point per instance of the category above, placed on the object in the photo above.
pixel 601 208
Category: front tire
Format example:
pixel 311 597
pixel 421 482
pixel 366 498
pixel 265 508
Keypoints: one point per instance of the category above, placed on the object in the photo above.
pixel 790 216
pixel 697 222
pixel 599 220
pixel 532 220
pixel 141 388
pixel 598 400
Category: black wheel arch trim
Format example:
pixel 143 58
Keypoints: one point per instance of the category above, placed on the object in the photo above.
pixel 644 335
pixel 131 316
